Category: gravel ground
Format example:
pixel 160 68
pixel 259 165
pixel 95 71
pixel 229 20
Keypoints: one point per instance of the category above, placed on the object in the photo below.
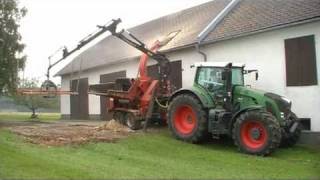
pixel 68 132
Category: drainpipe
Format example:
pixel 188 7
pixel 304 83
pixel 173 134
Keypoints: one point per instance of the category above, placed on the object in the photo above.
pixel 201 52
pixel 212 25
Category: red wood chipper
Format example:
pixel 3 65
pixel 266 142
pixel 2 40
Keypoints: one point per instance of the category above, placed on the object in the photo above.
pixel 133 101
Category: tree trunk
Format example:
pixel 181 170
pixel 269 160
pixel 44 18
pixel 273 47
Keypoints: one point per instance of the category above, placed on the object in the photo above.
pixel 34 115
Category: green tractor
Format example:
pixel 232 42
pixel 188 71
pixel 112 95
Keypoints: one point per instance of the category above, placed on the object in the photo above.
pixel 219 103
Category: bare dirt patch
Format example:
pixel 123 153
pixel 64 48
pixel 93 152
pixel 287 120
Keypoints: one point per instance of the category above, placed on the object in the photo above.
pixel 69 132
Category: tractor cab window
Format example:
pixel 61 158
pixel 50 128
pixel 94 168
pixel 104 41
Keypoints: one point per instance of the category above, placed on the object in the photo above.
pixel 210 78
pixel 237 76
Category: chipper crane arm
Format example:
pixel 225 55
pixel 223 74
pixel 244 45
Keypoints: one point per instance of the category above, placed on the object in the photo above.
pixel 48 88
pixel 162 60
pixel 126 36
pixel 80 45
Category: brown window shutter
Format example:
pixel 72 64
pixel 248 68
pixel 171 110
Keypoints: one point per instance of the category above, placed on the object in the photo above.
pixel 308 59
pixel 301 67
pixel 292 63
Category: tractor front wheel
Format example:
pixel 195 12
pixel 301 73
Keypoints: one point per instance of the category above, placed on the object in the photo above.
pixel 289 139
pixel 186 119
pixel 257 132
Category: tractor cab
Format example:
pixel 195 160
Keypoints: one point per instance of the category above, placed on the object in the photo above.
pixel 214 76
pixel 218 78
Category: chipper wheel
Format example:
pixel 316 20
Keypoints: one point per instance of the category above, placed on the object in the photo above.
pixel 133 122
pixel 257 132
pixel 186 119
pixel 119 117
pixel 289 139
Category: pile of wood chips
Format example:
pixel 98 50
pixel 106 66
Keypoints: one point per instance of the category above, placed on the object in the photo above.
pixel 115 126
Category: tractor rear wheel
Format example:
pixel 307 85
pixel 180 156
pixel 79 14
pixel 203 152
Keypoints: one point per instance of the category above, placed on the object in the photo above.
pixel 187 119
pixel 256 132
pixel 133 122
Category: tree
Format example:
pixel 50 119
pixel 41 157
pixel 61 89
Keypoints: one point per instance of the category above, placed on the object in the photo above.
pixel 34 102
pixel 11 48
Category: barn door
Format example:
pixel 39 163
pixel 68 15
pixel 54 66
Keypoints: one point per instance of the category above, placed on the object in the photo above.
pixel 175 74
pixel 105 78
pixel 79 103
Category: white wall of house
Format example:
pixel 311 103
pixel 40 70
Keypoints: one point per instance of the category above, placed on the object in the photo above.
pixel 264 51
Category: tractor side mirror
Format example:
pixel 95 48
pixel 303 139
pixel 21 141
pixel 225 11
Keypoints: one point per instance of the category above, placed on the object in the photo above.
pixel 251 71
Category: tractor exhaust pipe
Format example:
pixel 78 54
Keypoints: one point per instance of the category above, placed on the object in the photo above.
pixel 228 78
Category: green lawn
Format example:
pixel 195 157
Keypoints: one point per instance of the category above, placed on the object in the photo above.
pixel 150 156
pixel 25 116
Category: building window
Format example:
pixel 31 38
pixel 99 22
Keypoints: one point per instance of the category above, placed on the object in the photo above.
pixel 301 66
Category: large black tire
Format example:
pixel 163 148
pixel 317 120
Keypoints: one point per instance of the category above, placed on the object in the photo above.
pixel 119 117
pixel 256 132
pixel 132 122
pixel 290 139
pixel 187 120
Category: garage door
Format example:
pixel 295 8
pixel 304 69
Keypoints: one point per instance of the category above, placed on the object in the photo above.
pixel 175 74
pixel 105 78
pixel 79 103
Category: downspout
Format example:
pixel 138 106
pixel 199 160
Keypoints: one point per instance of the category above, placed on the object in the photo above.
pixel 212 25
pixel 201 52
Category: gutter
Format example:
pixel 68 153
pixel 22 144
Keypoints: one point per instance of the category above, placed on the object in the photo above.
pixel 212 25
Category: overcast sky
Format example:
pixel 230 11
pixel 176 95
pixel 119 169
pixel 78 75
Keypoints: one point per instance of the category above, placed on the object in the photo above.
pixel 51 24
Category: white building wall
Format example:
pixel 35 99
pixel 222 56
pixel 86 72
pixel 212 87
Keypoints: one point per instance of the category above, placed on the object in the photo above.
pixel 264 51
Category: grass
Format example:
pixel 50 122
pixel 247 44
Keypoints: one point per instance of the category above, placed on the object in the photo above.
pixel 25 116
pixel 150 156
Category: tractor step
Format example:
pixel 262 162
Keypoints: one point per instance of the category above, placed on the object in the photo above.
pixel 218 120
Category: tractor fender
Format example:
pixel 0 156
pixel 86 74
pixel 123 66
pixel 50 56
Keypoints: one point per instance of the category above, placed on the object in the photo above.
pixel 237 114
pixel 204 101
